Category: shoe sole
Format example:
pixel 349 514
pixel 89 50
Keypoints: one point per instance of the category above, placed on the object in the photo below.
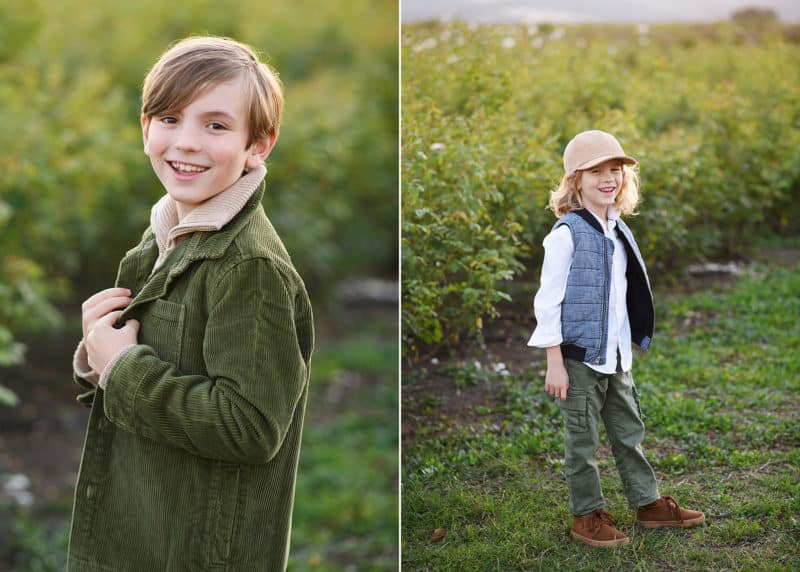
pixel 600 543
pixel 674 523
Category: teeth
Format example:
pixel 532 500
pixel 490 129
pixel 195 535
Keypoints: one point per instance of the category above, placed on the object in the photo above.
pixel 186 168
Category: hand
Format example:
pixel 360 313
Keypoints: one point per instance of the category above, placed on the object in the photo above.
pixel 104 340
pixel 556 381
pixel 101 304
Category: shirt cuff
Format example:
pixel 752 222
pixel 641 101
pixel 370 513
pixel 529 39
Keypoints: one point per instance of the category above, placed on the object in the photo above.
pixel 109 366
pixel 541 338
pixel 80 364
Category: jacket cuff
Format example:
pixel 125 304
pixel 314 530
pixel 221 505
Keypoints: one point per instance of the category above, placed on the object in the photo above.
pixel 80 364
pixel 103 381
pixel 124 374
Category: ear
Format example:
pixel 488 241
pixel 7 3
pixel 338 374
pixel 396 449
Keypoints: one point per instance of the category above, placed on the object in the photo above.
pixel 259 150
pixel 145 129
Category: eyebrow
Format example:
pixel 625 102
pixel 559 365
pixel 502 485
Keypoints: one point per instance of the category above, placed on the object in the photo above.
pixel 220 113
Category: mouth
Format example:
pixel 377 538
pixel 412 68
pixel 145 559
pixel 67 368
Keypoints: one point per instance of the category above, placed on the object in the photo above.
pixel 608 190
pixel 186 169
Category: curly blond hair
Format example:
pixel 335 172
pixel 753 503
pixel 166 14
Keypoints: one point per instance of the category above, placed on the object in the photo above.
pixel 567 197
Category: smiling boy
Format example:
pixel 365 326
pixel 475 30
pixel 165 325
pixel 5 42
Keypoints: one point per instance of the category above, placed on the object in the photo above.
pixel 196 364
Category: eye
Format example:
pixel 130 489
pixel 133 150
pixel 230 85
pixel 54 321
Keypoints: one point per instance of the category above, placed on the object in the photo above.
pixel 168 119
pixel 217 126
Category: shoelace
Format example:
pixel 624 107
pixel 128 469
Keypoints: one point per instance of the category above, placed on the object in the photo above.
pixel 674 509
pixel 599 517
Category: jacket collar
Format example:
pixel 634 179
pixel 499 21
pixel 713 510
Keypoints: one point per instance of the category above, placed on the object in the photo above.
pixel 200 245
pixel 210 216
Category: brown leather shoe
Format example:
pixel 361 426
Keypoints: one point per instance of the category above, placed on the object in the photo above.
pixel 597 529
pixel 666 512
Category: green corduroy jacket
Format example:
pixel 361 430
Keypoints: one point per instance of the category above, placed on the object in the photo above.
pixel 191 452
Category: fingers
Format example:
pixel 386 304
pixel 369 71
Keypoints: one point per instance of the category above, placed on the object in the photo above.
pixel 109 319
pixel 107 305
pixel 557 391
pixel 93 300
pixel 132 325
pixel 101 304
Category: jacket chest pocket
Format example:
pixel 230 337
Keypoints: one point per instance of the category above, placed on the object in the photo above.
pixel 162 327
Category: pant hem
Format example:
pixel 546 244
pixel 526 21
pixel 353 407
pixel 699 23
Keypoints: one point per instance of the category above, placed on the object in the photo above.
pixel 647 502
pixel 602 506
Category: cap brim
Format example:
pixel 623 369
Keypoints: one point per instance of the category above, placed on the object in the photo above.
pixel 594 162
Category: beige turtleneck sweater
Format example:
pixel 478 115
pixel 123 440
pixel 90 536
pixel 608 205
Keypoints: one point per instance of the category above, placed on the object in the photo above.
pixel 211 215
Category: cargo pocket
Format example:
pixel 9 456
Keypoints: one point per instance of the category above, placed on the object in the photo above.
pixel 635 393
pixel 574 411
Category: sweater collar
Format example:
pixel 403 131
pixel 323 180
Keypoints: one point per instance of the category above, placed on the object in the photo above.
pixel 211 215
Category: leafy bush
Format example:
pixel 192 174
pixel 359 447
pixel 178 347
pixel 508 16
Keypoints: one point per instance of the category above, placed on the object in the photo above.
pixel 712 117
pixel 76 189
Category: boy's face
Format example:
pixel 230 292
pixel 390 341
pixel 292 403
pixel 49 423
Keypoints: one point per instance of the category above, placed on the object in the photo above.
pixel 199 151
pixel 600 186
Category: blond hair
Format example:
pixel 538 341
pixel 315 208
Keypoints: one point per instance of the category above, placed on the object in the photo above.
pixel 568 198
pixel 196 64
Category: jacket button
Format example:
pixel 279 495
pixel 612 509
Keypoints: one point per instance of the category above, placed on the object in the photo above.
pixel 89 491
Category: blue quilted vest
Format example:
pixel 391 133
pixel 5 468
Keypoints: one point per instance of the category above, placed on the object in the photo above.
pixel 584 311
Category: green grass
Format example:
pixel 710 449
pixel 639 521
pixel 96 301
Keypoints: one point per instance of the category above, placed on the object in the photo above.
pixel 720 394
pixel 346 509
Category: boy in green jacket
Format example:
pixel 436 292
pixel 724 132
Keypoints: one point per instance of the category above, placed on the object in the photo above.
pixel 196 364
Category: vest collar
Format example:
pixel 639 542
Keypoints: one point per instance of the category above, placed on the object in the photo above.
pixel 586 215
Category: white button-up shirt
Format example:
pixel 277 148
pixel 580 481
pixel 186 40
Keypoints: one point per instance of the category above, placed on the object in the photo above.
pixel 558 253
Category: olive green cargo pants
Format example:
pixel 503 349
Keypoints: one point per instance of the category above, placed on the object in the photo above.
pixel 612 397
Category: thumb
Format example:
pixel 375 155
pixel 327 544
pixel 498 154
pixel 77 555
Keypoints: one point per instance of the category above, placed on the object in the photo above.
pixel 134 325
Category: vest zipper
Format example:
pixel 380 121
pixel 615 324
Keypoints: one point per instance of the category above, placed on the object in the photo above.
pixel 606 294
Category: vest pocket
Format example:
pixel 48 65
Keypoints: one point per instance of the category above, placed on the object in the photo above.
pixel 574 411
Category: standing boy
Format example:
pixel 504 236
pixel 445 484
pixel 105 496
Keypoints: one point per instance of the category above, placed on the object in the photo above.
pixel 594 302
pixel 198 397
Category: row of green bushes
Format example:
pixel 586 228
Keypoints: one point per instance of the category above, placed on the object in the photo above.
pixel 76 189
pixel 487 111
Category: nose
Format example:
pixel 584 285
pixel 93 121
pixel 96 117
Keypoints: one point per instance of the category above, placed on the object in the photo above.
pixel 186 138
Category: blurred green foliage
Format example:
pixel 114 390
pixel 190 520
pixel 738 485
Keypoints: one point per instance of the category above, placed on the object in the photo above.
pixel 712 112
pixel 76 189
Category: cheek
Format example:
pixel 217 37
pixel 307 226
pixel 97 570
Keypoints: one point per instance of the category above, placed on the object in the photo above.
pixel 157 141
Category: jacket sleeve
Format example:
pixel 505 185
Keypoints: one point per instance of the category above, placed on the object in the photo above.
pixel 242 410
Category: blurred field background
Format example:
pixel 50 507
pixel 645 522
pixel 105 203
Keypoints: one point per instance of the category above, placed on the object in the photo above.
pixel 712 112
pixel 76 192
